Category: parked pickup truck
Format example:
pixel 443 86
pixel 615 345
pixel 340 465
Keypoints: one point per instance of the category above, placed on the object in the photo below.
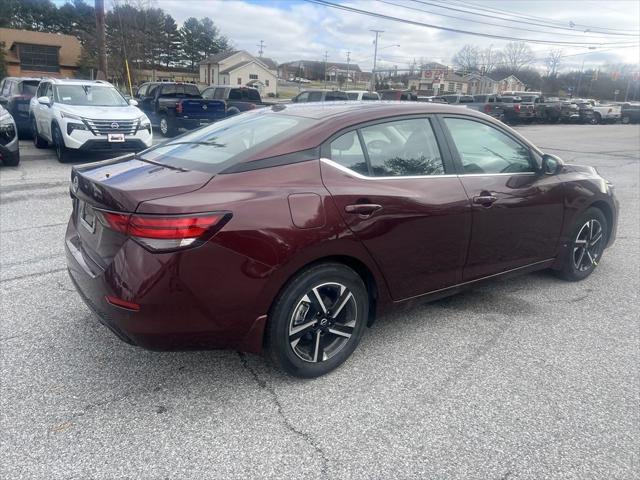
pixel 605 112
pixel 515 111
pixel 630 112
pixel 237 99
pixel 172 106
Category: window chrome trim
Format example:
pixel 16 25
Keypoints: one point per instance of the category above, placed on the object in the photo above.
pixel 344 169
pixel 364 177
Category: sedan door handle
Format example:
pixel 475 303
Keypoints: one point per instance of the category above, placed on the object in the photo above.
pixel 364 209
pixel 486 200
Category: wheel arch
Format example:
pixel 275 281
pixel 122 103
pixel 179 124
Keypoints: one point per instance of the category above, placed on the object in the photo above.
pixel 352 262
pixel 607 211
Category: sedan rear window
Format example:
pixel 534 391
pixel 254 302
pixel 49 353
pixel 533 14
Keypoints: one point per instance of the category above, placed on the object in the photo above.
pixel 216 147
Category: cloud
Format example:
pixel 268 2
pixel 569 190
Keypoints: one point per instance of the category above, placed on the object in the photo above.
pixel 294 29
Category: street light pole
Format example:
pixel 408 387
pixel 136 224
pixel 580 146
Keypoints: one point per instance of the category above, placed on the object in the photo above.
pixel 372 86
pixel 348 53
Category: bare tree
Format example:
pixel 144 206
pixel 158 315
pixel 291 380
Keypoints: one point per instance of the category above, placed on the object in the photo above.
pixel 552 62
pixel 517 55
pixel 489 58
pixel 467 58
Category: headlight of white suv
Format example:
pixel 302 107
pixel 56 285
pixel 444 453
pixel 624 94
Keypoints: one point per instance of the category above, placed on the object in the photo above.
pixel 145 123
pixel 74 122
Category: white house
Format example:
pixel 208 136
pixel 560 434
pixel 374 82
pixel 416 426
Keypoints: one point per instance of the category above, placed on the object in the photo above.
pixel 240 68
pixel 484 84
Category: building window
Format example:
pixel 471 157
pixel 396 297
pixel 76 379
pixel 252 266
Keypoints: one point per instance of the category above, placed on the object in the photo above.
pixel 43 58
pixel 239 81
pixel 266 82
pixel 253 76
pixel 458 87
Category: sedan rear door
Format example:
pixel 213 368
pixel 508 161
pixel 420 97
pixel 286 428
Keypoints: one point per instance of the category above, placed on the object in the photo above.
pixel 394 187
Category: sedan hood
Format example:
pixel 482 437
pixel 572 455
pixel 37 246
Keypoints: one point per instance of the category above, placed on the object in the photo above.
pixel 107 113
pixel 122 183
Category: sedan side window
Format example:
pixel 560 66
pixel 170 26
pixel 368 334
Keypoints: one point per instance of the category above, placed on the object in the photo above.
pixel 347 151
pixel 485 149
pixel 403 148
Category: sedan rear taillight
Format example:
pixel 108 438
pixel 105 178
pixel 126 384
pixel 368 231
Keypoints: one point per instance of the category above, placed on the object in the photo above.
pixel 516 107
pixel 171 232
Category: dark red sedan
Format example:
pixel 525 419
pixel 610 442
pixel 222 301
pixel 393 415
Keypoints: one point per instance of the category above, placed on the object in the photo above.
pixel 287 229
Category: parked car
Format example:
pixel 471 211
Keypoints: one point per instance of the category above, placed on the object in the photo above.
pixel 630 112
pixel 88 116
pixel 172 106
pixel 362 95
pixel 548 109
pixel 15 95
pixel 9 147
pixel 289 228
pixel 320 96
pixel 605 112
pixel 299 80
pixel 457 99
pixel 237 99
pixel 489 104
pixel 398 95
pixel 569 111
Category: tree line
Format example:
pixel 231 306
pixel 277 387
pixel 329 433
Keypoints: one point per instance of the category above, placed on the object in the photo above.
pixel 147 36
pixel 517 59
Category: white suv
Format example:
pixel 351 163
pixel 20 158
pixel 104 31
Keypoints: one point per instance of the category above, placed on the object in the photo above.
pixel 74 115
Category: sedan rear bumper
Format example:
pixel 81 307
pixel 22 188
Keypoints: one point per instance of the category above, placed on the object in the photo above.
pixel 173 311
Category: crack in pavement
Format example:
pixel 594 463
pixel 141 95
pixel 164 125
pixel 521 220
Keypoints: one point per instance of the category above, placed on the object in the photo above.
pixel 33 228
pixel 29 275
pixel 280 410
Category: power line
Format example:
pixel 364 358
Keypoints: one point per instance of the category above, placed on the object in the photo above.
pixel 449 29
pixel 457 17
pixel 550 23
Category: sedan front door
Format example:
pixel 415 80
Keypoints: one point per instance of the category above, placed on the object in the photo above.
pixel 395 190
pixel 517 209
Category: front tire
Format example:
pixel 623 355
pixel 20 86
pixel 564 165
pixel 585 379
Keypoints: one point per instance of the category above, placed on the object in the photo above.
pixel 38 141
pixel 317 321
pixel 588 239
pixel 62 152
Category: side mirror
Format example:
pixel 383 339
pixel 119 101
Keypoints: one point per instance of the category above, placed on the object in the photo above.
pixel 133 103
pixel 44 101
pixel 551 164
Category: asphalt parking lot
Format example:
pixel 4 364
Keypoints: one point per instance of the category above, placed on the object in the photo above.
pixel 528 378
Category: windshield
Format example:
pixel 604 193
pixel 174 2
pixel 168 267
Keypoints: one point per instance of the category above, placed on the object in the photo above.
pixel 527 99
pixel 29 88
pixel 216 147
pixel 88 95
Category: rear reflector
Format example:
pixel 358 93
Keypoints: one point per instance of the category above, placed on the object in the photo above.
pixel 160 232
pixel 118 302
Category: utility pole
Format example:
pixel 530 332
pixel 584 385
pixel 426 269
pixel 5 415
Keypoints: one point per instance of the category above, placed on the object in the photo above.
pixel 348 54
pixel 375 57
pixel 580 79
pixel 100 37
pixel 326 56
pixel 261 48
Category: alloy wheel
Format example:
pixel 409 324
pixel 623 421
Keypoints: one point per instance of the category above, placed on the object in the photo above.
pixel 164 127
pixel 322 322
pixel 588 245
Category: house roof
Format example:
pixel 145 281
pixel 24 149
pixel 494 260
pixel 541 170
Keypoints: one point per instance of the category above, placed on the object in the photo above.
pixel 271 65
pixel 218 57
pixel 69 52
pixel 236 66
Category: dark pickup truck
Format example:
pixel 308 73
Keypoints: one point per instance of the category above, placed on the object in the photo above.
pixel 237 99
pixel 172 106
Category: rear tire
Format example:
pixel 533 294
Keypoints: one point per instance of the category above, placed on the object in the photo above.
pixel 38 141
pixel 597 118
pixel 307 338
pixel 62 152
pixel 167 126
pixel 588 239
pixel 625 120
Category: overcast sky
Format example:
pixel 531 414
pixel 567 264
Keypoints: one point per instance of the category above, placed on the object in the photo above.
pixel 295 29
